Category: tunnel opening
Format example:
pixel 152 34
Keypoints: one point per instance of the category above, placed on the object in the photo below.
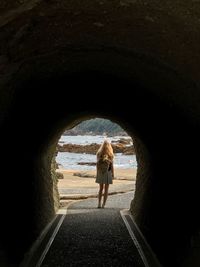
pixel 74 161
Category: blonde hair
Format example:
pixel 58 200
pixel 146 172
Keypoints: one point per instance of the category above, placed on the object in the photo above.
pixel 105 151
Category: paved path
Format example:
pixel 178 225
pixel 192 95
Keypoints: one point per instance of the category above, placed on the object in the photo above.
pixel 88 236
pixel 94 237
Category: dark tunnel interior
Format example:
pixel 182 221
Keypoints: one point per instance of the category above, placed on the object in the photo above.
pixel 166 200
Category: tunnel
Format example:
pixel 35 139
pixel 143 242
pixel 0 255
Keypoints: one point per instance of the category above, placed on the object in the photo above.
pixel 135 63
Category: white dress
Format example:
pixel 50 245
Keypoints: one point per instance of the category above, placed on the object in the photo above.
pixel 104 172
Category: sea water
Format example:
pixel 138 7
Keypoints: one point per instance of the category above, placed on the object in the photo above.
pixel 67 160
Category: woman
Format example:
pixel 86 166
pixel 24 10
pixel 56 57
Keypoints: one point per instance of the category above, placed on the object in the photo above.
pixel 105 171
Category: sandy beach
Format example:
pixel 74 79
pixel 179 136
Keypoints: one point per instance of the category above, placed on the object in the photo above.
pixel 120 174
pixel 81 184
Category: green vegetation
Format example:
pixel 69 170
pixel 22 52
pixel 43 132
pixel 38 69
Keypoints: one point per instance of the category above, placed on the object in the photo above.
pixel 95 127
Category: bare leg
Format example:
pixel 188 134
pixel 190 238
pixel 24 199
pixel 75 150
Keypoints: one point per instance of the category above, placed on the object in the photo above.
pixel 100 195
pixel 105 196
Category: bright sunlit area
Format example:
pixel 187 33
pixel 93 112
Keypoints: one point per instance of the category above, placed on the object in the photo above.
pixel 76 160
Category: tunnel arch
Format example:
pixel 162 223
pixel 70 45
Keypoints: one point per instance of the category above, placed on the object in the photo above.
pixel 148 129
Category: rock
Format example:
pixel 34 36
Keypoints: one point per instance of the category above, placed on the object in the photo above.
pixel 84 175
pixel 87 163
pixel 124 141
pixel 59 175
pixel 93 148
pixel 88 149
pixel 129 150
pixel 119 148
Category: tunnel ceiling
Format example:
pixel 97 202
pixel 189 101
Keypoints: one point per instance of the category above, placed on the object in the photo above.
pixel 149 41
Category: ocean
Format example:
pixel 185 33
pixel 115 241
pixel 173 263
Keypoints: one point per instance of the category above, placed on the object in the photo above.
pixel 70 161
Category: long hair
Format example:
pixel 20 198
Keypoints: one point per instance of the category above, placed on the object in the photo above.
pixel 105 151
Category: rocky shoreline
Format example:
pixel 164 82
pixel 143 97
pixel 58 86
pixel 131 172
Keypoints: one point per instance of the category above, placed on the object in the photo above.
pixel 122 145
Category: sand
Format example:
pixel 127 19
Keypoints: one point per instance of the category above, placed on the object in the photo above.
pixel 122 176
pixel 73 188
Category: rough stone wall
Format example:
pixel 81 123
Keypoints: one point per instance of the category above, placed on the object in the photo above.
pixel 144 176
pixel 55 177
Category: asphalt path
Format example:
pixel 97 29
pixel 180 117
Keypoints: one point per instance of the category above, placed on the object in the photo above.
pixel 94 237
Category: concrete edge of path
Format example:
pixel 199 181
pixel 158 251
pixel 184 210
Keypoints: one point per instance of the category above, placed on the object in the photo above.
pixel 36 254
pixel 146 253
